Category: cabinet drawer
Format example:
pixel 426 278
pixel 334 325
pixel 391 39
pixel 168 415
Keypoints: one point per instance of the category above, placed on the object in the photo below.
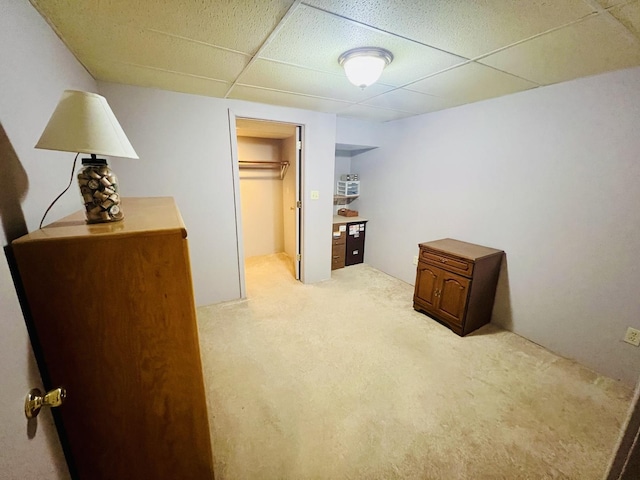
pixel 339 236
pixel 337 261
pixel 452 264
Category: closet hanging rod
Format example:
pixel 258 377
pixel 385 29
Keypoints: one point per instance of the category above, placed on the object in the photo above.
pixel 282 166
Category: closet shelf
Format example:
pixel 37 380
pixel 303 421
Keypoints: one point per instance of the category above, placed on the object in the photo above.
pixel 343 199
pixel 282 166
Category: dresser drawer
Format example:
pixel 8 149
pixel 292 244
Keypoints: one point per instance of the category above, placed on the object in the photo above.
pixel 453 264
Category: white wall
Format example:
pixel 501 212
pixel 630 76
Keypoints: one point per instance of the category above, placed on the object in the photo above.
pixel 343 165
pixel 36 68
pixel 184 146
pixel 351 131
pixel 261 197
pixel 550 176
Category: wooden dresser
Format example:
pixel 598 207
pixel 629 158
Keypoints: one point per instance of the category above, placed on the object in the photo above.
pixel 112 317
pixel 456 283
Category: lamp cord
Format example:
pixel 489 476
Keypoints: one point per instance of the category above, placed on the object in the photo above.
pixel 73 169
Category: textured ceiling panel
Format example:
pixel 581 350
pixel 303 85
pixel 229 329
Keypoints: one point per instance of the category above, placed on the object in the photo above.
pixel 237 25
pixel 365 112
pixel 595 45
pixel 273 97
pixel 145 48
pixel 611 3
pixel 470 83
pixel 629 16
pixel 464 27
pixel 145 77
pixel 410 101
pixel 292 79
pixel 308 27
pixel 285 52
pixel 133 44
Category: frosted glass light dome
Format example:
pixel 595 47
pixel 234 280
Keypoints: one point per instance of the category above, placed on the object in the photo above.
pixel 363 66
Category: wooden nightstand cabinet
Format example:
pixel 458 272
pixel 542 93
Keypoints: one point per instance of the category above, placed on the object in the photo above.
pixel 456 283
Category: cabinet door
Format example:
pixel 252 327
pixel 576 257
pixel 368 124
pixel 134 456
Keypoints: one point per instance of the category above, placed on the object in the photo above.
pixel 113 311
pixel 426 283
pixel 452 297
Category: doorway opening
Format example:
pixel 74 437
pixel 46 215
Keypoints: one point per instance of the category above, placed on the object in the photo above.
pixel 269 157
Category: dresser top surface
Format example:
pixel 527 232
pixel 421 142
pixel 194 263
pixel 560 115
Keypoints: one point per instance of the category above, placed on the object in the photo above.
pixel 145 215
pixel 470 251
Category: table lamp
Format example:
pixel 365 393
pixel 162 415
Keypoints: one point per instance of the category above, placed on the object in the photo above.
pixel 84 123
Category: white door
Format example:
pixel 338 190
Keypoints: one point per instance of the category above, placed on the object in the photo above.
pixel 236 202
pixel 298 172
pixel 291 204
pixel 291 199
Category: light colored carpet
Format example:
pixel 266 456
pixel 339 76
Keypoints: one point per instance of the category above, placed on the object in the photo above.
pixel 344 380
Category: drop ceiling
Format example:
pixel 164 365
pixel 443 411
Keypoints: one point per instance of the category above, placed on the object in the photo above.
pixel 284 52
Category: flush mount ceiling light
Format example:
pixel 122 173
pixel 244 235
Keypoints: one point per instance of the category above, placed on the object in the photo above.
pixel 364 65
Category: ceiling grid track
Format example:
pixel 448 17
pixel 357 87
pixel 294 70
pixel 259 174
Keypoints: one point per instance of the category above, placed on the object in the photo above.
pixel 282 53
pixel 480 57
pixel 606 14
pixel 294 6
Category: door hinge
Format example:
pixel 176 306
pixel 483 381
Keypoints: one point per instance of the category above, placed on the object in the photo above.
pixel 299 145
pixel 298 204
pixel 299 257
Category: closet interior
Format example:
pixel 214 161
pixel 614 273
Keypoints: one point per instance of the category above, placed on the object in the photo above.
pixel 269 188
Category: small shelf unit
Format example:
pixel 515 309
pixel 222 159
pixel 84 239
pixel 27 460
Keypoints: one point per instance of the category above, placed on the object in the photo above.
pixel 346 192
pixel 348 188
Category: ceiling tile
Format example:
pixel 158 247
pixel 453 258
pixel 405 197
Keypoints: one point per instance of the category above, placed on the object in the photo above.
pixel 365 112
pixel 592 46
pixel 133 44
pixel 411 101
pixel 145 48
pixel 273 97
pixel 470 83
pixel 315 39
pixel 629 16
pixel 289 78
pixel 146 77
pixel 610 3
pixel 204 46
pixel 462 27
pixel 241 26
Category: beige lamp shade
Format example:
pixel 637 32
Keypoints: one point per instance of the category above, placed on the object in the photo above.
pixel 83 122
